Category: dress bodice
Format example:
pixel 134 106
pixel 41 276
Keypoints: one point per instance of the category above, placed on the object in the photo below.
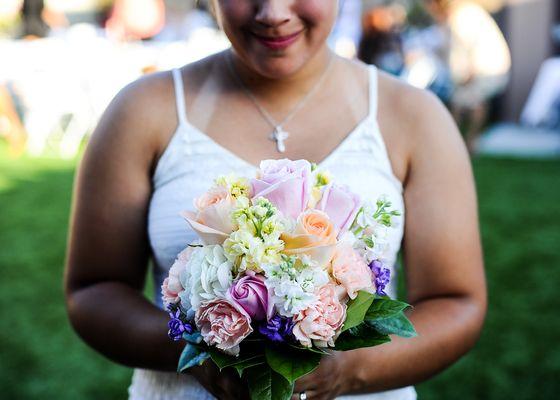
pixel 188 166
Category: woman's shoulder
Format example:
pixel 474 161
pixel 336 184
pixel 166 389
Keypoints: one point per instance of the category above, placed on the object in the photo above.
pixel 138 120
pixel 405 103
pixel 414 122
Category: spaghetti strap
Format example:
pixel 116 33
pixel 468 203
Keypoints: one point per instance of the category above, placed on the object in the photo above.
pixel 179 96
pixel 373 92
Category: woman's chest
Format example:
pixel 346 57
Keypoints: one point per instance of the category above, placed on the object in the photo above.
pixel 189 167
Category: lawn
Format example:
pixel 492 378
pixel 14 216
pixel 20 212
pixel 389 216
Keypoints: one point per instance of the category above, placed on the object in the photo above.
pixel 518 355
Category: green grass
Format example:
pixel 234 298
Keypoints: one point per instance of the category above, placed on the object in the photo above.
pixel 518 355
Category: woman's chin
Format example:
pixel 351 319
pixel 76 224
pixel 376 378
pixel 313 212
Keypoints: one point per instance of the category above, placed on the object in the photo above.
pixel 278 70
pixel 274 66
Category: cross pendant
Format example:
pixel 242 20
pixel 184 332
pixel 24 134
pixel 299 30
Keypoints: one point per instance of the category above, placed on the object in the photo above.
pixel 279 135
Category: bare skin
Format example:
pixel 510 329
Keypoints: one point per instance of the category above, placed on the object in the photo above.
pixel 108 247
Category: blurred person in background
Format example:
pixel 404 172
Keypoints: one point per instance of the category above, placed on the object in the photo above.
pixel 346 33
pixel 401 48
pixel 11 127
pixel 136 19
pixel 38 18
pixel 32 19
pixel 472 45
pixel 381 42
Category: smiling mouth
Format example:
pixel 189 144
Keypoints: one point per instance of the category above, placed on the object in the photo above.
pixel 277 42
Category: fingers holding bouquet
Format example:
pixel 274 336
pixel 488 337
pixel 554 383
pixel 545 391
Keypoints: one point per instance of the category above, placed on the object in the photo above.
pixel 289 266
pixel 324 383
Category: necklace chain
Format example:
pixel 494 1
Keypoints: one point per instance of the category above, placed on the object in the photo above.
pixel 278 134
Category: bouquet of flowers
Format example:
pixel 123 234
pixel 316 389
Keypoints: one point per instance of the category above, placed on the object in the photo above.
pixel 288 267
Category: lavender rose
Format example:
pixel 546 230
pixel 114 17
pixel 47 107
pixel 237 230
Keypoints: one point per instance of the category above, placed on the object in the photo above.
pixel 341 205
pixel 287 184
pixel 251 293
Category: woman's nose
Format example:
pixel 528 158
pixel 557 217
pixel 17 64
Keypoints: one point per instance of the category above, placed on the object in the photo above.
pixel 273 13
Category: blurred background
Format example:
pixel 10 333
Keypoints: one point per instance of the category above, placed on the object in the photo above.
pixel 494 63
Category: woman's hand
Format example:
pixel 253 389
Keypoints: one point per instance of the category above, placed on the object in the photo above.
pixel 326 382
pixel 225 385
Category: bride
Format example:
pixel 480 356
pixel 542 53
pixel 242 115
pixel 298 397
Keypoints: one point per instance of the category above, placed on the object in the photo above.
pixel 279 92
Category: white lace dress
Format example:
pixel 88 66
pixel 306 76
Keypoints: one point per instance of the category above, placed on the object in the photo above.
pixel 192 160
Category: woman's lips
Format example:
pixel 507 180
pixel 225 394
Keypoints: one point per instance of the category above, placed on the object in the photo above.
pixel 277 42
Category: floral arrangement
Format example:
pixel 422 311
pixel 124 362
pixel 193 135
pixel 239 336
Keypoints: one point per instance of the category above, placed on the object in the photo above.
pixel 289 266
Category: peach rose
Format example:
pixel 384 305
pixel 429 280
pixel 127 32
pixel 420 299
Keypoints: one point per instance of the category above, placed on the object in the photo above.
pixel 351 271
pixel 321 322
pixel 314 235
pixel 213 222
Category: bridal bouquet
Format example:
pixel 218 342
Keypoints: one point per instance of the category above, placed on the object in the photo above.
pixel 288 267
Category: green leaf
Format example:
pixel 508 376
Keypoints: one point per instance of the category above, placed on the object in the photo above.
pixel 251 362
pixel 357 309
pixel 223 360
pixel 360 336
pixel 383 307
pixel 395 325
pixel 192 355
pixel 290 362
pixel 265 384
pixel 316 350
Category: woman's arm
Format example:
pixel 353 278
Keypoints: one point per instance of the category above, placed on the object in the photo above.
pixel 442 255
pixel 108 248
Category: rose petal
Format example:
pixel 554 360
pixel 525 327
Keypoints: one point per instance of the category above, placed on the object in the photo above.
pixel 207 234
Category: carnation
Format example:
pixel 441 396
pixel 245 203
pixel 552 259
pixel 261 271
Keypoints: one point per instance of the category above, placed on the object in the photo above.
pixel 172 287
pixel 320 323
pixel 223 324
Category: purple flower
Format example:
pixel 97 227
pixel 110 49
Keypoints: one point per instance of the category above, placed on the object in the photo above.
pixel 177 327
pixel 251 294
pixel 278 328
pixel 382 276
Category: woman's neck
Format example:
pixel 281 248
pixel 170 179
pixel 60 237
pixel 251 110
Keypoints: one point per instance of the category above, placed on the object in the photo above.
pixel 291 87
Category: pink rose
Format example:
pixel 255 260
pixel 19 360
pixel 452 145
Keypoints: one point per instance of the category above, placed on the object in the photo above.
pixel 223 324
pixel 251 293
pixel 341 205
pixel 287 184
pixel 171 286
pixel 351 271
pixel 212 222
pixel 321 322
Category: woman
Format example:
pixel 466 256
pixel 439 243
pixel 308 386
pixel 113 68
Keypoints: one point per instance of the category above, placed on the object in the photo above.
pixel 165 136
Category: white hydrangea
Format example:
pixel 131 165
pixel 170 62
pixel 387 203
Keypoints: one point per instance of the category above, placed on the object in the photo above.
pixel 293 288
pixel 207 275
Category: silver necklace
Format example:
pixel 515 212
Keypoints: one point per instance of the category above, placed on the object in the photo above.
pixel 278 134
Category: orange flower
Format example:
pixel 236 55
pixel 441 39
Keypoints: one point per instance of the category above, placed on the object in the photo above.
pixel 314 235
